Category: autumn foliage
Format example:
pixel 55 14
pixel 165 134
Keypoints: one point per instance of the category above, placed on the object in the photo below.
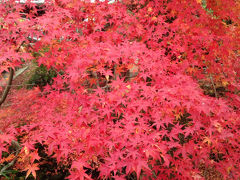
pixel 144 88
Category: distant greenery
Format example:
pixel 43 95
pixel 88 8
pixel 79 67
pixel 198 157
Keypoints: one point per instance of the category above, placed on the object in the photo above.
pixel 204 5
pixel 42 76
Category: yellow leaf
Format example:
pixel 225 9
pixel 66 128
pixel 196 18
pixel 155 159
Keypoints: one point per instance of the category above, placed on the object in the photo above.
pixel 229 169
pixel 21 20
pixel 219 127
pixel 154 18
pixel 199 1
pixel 107 77
pixel 224 83
pixel 26 150
pixel 150 9
pixel 80 109
pixel 207 140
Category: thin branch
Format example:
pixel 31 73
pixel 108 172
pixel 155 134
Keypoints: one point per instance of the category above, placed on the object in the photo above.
pixel 115 72
pixel 13 85
pixel 214 88
pixel 10 79
pixel 17 147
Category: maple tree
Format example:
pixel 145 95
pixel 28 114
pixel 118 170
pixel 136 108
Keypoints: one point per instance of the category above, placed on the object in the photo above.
pixel 127 97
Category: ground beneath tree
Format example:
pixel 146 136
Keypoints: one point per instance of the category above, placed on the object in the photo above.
pixel 21 81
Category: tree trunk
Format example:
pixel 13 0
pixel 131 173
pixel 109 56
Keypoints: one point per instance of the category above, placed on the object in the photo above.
pixel 8 86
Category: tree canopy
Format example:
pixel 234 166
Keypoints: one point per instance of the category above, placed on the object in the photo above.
pixel 143 88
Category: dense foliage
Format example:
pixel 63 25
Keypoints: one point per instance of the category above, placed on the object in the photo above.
pixel 143 87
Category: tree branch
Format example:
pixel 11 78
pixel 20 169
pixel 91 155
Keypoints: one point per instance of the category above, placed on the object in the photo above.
pixel 214 88
pixel 17 148
pixel 10 79
pixel 7 88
